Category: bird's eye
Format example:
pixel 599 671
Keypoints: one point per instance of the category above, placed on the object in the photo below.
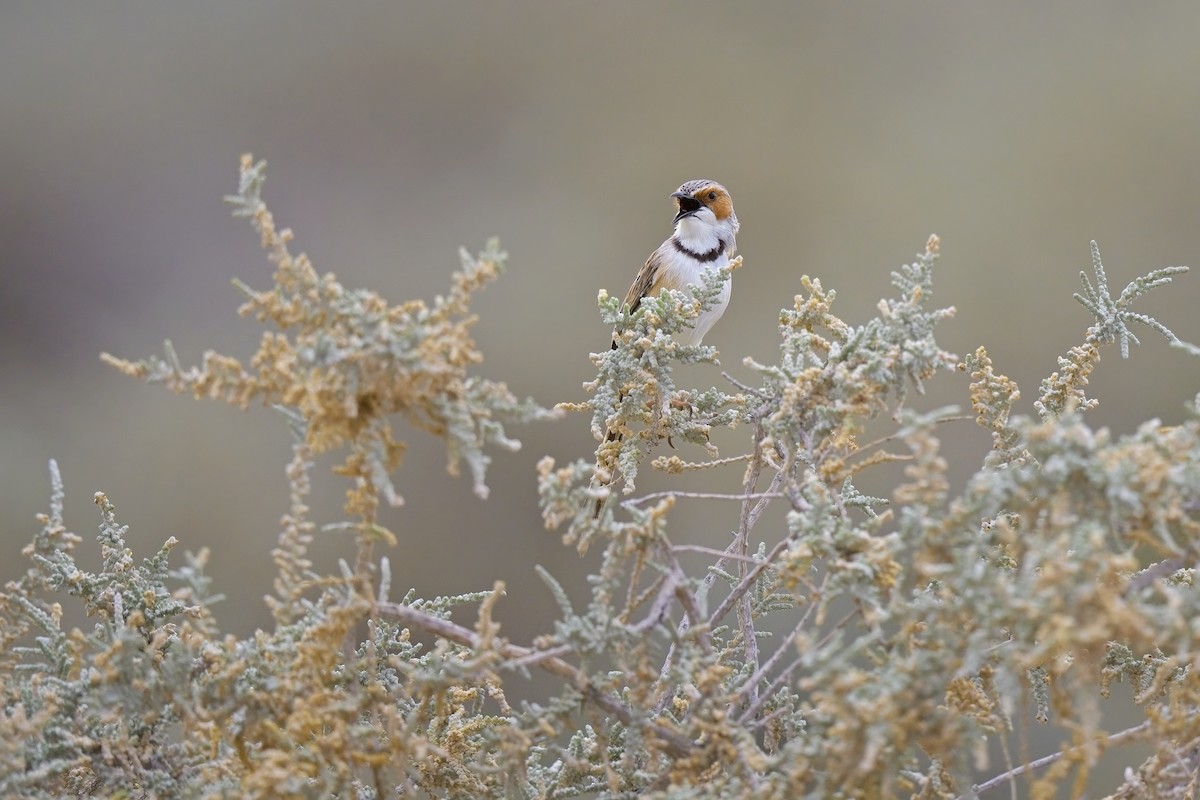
pixel 712 196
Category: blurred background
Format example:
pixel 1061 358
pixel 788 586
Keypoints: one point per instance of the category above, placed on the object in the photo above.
pixel 847 133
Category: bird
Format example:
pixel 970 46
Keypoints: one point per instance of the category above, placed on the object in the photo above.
pixel 704 238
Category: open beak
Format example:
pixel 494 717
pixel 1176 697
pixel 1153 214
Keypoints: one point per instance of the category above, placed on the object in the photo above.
pixel 688 205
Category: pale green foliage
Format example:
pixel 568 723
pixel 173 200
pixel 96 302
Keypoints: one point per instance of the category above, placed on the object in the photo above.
pixel 868 647
pixel 85 711
pixel 1063 391
pixel 1113 316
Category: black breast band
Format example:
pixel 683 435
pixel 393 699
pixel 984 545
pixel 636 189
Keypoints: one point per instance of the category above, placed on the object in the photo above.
pixel 703 258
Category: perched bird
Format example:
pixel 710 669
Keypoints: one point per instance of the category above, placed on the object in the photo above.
pixel 705 238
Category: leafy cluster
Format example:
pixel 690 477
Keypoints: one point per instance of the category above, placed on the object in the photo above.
pixel 867 647
pixel 344 361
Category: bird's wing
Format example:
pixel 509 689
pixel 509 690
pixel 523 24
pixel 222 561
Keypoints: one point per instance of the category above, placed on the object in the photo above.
pixel 642 285
pixel 645 280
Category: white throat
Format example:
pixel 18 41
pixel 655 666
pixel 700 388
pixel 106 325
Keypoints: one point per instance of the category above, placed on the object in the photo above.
pixel 699 235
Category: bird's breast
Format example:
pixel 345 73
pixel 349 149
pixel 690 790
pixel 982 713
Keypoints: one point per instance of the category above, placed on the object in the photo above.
pixel 677 271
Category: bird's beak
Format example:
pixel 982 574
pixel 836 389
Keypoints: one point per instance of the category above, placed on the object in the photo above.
pixel 688 205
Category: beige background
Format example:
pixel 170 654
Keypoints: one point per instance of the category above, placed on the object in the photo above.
pixel 396 132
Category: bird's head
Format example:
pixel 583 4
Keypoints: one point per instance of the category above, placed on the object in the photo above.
pixel 704 206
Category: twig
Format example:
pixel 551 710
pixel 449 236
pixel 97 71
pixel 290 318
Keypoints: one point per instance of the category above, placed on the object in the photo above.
pixel 661 602
pixel 745 610
pixel 633 602
pixel 536 657
pixel 688 601
pixel 691 604
pixel 749 637
pixel 742 386
pixel 674 743
pixel 729 553
pixel 787 671
pixel 770 663
pixel 705 496
pixel 748 581
pixel 1046 761
pixel 696 466
pixel 891 437
pixel 1140 580
pixel 771 690
pixel 699 548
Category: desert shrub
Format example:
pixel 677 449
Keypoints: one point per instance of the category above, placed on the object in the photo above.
pixel 871 647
